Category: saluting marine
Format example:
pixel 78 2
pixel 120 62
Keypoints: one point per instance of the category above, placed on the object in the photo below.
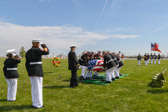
pixel 11 74
pixel 35 71
pixel 139 59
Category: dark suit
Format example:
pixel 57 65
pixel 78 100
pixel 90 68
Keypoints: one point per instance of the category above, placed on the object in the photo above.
pixel 97 56
pixel 72 65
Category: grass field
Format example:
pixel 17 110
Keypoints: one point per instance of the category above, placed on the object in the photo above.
pixel 130 94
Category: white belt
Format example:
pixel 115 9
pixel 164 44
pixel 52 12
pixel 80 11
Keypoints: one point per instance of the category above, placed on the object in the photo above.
pixel 115 59
pixel 11 68
pixel 110 61
pixel 35 63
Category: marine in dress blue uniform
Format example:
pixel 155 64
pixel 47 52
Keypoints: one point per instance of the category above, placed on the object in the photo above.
pixel 11 74
pixel 151 57
pixel 139 59
pixel 89 72
pixel 35 71
pixel 83 64
pixel 155 58
pixel 109 65
pixel 121 64
pixel 146 59
pixel 159 58
pixel 115 72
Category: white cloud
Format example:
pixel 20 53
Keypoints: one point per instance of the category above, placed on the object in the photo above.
pixel 117 30
pixel 57 37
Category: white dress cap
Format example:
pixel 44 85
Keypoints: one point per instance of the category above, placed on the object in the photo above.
pixel 10 51
pixel 73 46
pixel 36 40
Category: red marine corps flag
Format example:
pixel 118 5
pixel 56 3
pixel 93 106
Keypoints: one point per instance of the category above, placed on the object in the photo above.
pixel 155 47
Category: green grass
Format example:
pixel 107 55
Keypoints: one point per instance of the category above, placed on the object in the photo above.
pixel 130 94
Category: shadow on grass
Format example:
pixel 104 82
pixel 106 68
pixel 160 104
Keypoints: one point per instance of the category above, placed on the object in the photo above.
pixel 66 80
pixel 48 72
pixel 92 82
pixel 55 87
pixel 157 91
pixel 3 100
pixel 12 108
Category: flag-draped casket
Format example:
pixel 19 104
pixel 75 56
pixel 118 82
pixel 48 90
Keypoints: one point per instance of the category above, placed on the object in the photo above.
pixel 96 65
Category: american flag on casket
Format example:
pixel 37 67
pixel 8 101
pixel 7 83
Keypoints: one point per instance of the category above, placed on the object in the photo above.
pixel 96 65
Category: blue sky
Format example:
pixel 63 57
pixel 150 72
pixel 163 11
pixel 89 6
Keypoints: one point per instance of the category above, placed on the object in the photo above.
pixel 126 25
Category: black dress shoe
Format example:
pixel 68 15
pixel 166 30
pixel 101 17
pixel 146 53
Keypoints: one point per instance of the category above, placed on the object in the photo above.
pixel 81 78
pixel 94 75
pixel 89 78
pixel 117 77
pixel 11 100
pixel 113 79
pixel 72 87
pixel 76 85
pixel 107 82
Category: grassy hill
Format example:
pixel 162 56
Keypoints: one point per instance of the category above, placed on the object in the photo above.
pixel 130 94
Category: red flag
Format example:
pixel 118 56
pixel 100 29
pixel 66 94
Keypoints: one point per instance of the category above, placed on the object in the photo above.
pixel 157 47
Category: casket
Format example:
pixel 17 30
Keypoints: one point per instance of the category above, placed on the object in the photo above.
pixel 96 65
